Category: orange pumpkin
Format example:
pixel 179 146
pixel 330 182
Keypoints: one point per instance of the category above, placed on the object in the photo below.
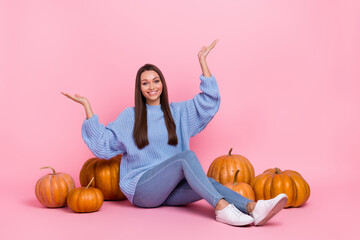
pixel 106 174
pixel 223 169
pixel 52 189
pixel 273 182
pixel 242 188
pixel 85 199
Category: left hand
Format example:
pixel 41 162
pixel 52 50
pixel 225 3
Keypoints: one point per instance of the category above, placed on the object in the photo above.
pixel 205 50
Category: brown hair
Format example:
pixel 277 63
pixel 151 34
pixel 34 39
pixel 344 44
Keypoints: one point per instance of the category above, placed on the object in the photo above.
pixel 140 132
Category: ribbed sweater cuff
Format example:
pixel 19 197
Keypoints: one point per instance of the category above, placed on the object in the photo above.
pixel 209 82
pixel 91 126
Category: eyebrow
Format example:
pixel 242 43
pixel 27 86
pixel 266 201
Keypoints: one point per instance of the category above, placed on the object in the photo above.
pixel 146 79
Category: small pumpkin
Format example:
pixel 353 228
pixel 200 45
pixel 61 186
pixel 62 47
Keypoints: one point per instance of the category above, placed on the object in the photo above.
pixel 223 169
pixel 242 188
pixel 52 189
pixel 274 181
pixel 85 199
pixel 106 173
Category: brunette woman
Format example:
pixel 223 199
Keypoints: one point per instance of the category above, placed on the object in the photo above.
pixel 157 166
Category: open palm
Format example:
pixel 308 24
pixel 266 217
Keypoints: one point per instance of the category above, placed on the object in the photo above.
pixel 77 98
pixel 206 49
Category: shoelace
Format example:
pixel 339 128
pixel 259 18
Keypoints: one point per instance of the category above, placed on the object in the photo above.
pixel 237 214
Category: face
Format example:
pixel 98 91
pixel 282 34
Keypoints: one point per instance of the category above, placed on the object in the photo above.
pixel 151 87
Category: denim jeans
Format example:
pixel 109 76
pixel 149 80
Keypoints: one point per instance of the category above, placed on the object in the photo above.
pixel 180 180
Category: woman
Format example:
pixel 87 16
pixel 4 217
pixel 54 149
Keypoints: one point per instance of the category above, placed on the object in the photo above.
pixel 157 166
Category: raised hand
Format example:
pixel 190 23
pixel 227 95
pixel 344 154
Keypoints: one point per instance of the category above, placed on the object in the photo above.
pixel 83 101
pixel 77 98
pixel 202 58
pixel 206 49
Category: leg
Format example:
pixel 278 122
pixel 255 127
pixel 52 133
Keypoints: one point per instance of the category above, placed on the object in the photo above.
pixel 157 183
pixel 231 196
pixel 183 194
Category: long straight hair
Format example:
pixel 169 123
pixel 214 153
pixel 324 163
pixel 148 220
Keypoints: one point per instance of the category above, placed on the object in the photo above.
pixel 140 131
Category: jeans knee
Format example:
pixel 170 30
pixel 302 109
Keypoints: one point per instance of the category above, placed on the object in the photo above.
pixel 212 180
pixel 190 155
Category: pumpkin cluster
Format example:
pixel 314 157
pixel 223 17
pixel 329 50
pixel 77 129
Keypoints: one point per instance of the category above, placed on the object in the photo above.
pixel 237 173
pixel 99 179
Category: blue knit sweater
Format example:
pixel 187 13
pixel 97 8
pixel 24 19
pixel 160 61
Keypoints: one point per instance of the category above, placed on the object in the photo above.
pixel 190 117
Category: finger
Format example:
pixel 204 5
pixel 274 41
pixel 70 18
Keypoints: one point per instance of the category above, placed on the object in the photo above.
pixel 214 43
pixel 69 96
pixel 65 94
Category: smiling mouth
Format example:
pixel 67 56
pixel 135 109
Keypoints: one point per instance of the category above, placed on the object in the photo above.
pixel 153 93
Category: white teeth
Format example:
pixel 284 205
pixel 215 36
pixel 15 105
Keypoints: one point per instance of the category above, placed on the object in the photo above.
pixel 152 93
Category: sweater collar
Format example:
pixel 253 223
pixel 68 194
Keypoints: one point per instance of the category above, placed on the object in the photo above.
pixel 153 106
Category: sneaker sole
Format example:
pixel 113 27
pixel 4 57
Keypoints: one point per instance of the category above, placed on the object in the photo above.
pixel 234 224
pixel 280 205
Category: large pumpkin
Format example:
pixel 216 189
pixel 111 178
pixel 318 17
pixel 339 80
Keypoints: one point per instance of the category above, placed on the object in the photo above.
pixel 223 169
pixel 242 188
pixel 106 174
pixel 274 181
pixel 85 199
pixel 52 189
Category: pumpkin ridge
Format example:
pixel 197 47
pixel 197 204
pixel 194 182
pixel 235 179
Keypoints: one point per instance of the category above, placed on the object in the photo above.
pixel 79 199
pixel 296 190
pixel 113 178
pixel 241 165
pixel 52 197
pixel 111 172
pixel 287 188
pixel 95 166
pixel 41 193
pixel 90 169
pixel 248 172
pixel 300 184
pixel 267 187
pixel 58 197
pixel 48 189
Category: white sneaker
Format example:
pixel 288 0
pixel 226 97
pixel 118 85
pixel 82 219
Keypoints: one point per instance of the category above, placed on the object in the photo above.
pixel 265 209
pixel 233 216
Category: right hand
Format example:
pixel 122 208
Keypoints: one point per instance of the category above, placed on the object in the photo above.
pixel 77 98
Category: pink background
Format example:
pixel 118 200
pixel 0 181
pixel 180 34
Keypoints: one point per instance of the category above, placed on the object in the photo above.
pixel 288 73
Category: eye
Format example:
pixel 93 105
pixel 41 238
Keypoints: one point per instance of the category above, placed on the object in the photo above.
pixel 157 80
pixel 144 83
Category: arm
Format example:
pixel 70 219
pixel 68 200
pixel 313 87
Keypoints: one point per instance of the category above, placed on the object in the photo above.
pixel 104 142
pixel 83 101
pixel 88 111
pixel 203 107
pixel 202 58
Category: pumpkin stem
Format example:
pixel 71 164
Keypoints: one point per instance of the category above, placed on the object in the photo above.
pixel 90 183
pixel 230 152
pixel 237 172
pixel 277 171
pixel 54 173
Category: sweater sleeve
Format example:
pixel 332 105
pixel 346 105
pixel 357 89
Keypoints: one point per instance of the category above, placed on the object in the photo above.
pixel 104 141
pixel 203 107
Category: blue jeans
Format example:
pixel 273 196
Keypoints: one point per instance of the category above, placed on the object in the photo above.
pixel 180 180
